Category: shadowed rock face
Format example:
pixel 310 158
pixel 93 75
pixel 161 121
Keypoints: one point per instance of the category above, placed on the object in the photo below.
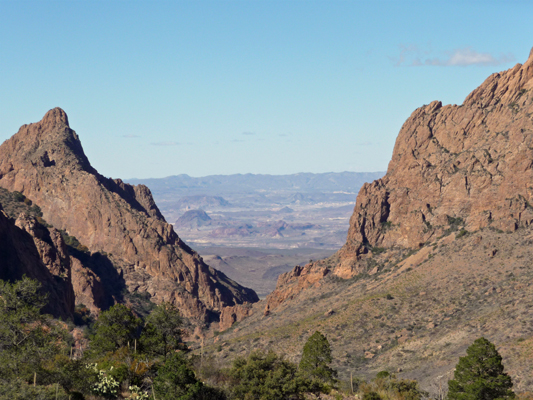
pixel 45 161
pixel 470 165
pixel 29 248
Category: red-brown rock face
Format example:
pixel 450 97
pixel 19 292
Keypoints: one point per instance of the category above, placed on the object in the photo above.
pixel 470 165
pixel 472 161
pixel 45 161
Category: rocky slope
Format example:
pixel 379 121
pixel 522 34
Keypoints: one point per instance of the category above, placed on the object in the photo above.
pixel 438 251
pixel 125 242
pixel 414 317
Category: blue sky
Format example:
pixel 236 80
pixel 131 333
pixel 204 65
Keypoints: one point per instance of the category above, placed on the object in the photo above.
pixel 158 88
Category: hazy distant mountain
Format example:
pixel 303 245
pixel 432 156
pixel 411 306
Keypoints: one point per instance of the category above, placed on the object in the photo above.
pixel 193 219
pixel 200 201
pixel 244 208
pixel 301 182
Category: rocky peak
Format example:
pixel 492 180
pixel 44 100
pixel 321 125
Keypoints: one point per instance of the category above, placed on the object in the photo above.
pixel 472 162
pixel 503 87
pixel 44 144
pixel 119 224
pixel 53 119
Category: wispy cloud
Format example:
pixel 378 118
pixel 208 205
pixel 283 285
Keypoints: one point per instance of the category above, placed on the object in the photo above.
pixel 130 136
pixel 407 52
pixel 166 144
pixel 414 56
pixel 248 133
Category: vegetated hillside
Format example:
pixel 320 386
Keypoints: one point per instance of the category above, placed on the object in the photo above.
pixel 438 252
pixel 416 316
pixel 121 242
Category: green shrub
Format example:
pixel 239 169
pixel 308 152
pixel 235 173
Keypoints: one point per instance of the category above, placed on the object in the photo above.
pixel 382 375
pixel 114 329
pixel 316 359
pixel 20 390
pixel 17 196
pixel 177 381
pixel 371 396
pixel 266 376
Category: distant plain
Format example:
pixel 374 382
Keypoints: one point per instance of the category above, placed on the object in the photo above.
pixel 255 227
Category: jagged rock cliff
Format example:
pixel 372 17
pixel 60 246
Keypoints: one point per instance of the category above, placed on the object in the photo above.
pixel 128 241
pixel 469 165
pixel 472 161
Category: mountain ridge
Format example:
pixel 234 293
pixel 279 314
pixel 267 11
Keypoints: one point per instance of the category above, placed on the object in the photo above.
pixel 301 181
pixel 121 223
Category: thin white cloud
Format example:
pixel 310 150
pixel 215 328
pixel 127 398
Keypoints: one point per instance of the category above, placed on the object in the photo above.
pixel 130 136
pixel 414 56
pixel 165 143
pixel 468 56
pixel 409 51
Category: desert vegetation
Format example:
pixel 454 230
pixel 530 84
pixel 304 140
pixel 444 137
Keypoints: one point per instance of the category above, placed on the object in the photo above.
pixel 123 356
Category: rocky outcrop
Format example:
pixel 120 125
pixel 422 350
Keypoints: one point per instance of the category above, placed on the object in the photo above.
pixel 233 314
pixel 468 167
pixel 293 282
pixel 125 234
pixel 88 287
pixel 29 248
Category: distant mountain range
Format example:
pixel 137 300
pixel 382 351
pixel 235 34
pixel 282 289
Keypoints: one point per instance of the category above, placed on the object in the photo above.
pixel 301 182
pixel 244 210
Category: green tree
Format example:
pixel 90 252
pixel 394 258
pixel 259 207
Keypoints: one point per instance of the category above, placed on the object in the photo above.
pixel 266 376
pixel 115 328
pixel 177 381
pixel 316 359
pixel 480 375
pixel 161 334
pixel 27 338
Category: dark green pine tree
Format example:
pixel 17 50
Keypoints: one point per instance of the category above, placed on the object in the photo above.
pixel 479 375
pixel 316 359
pixel 115 328
pixel 161 335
